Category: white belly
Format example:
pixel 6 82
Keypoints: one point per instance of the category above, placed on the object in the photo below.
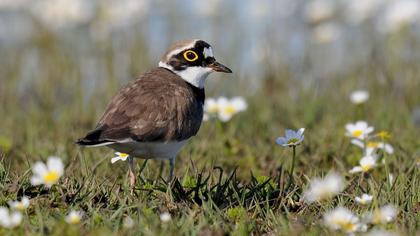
pixel 152 150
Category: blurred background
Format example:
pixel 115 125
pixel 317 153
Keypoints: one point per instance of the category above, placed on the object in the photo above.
pixel 62 60
pixel 117 39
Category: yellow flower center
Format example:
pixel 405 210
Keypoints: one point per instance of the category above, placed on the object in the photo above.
pixel 292 141
pixel 212 109
pixel 123 156
pixel 20 206
pixel 51 177
pixel 357 133
pixel 384 135
pixel 74 220
pixel 373 144
pixel 366 168
pixel 346 226
pixel 229 109
pixel 377 218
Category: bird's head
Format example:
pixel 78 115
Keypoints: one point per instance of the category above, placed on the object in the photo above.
pixel 193 61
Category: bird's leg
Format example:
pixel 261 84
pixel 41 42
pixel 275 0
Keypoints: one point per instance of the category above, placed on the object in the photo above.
pixel 171 169
pixel 131 172
pixel 161 168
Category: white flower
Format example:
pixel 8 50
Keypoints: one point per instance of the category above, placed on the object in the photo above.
pixel 380 232
pixel 343 219
pixel 74 217
pixel 365 199
pixel 401 13
pixel 20 205
pixel 372 146
pixel 359 130
pixel 365 164
pixel 291 138
pixel 165 217
pixel 223 108
pixel 211 106
pixel 327 187
pixel 128 222
pixel 383 215
pixel 227 108
pixel 47 174
pixel 119 156
pixel 359 96
pixel 9 219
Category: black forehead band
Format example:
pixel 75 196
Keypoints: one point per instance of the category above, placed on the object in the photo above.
pixel 201 44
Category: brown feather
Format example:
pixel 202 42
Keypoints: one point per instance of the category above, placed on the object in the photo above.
pixel 159 106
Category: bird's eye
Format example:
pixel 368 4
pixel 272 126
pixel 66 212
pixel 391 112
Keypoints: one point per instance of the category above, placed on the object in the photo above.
pixel 190 55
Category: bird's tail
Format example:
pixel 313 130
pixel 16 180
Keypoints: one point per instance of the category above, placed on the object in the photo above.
pixel 92 139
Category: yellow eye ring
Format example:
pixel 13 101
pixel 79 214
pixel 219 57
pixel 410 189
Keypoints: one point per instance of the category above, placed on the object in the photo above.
pixel 190 55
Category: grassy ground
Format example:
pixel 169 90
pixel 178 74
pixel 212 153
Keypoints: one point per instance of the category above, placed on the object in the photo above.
pixel 231 179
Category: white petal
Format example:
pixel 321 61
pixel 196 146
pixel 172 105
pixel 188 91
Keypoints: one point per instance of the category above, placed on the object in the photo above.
pixel 359 96
pixel 370 151
pixel 15 218
pixel 239 103
pixel 25 201
pixel 13 204
pixel 4 213
pixel 356 169
pixel 349 127
pixel 358 143
pixel 115 159
pixel 300 131
pixel 388 148
pixel 368 161
pixel 361 124
pixel 211 106
pixel 224 116
pixel 369 130
pixel 367 197
pixel 339 215
pixel 37 180
pixel 55 164
pixel 210 102
pixel 165 217
pixel 222 101
pixel 39 168
pixel 4 217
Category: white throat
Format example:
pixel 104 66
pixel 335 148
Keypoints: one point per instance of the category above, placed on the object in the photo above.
pixel 194 75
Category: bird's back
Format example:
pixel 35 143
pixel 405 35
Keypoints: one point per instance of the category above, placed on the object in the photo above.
pixel 157 107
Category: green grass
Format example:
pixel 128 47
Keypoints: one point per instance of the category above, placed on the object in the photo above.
pixel 231 179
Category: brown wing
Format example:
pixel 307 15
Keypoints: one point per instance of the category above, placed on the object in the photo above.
pixel 159 106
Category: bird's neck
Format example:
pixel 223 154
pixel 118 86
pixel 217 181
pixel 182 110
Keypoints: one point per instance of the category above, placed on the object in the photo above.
pixel 194 75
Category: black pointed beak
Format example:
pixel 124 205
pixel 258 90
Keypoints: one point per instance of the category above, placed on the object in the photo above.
pixel 216 66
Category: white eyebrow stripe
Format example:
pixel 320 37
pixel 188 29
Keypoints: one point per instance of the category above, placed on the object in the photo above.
pixel 208 52
pixel 176 51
